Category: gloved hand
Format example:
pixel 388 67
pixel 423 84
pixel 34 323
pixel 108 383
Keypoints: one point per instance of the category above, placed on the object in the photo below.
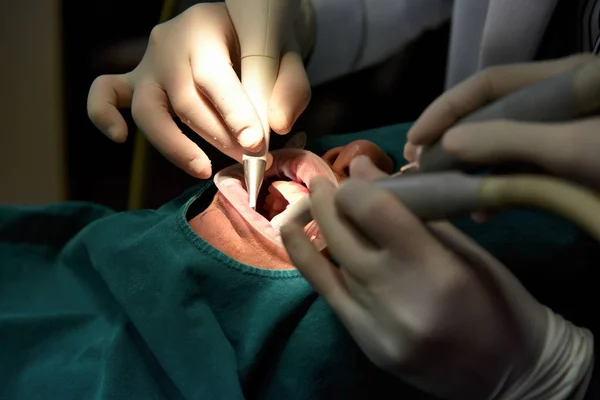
pixel 426 303
pixel 567 149
pixel 190 68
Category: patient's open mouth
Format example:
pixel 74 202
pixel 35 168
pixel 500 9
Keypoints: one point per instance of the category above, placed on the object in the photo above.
pixel 285 183
pixel 277 194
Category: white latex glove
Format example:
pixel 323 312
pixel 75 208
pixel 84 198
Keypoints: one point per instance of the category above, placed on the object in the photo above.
pixel 429 305
pixel 566 149
pixel 191 68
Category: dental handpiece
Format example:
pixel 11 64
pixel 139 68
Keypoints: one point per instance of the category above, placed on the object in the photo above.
pixel 443 192
pixel 429 196
pixel 560 98
pixel 451 194
pixel 262 27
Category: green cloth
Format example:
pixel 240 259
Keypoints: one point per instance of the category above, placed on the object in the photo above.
pixel 96 304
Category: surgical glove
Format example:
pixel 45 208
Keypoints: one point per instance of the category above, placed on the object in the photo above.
pixel 567 149
pixel 191 68
pixel 427 304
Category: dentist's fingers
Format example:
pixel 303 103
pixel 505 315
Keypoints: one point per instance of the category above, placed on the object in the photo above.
pixel 362 167
pixel 343 240
pixel 150 110
pixel 291 93
pixel 381 218
pixel 197 112
pixel 323 276
pixel 564 149
pixel 218 81
pixel 482 89
pixel 107 94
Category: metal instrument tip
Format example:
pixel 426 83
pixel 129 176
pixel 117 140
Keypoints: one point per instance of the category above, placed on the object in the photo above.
pixel 254 171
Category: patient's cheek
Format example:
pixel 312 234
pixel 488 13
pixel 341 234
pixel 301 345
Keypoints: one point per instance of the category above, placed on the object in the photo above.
pixel 340 158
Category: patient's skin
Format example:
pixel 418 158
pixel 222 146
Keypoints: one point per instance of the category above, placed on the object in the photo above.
pixel 225 229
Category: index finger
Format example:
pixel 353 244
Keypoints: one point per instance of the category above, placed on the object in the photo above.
pixel 316 269
pixel 362 167
pixel 197 112
pixel 481 89
pixel 218 81
pixel 380 217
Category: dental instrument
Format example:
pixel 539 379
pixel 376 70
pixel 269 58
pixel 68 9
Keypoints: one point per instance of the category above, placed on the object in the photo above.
pixel 451 194
pixel 445 190
pixel 262 26
pixel 564 97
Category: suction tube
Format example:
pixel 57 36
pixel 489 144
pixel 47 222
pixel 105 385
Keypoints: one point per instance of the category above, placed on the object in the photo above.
pixel 452 194
pixel 570 201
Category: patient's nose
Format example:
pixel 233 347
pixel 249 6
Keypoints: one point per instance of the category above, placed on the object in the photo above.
pixel 339 158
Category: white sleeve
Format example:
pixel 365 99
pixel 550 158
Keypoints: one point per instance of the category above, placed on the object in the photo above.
pixel 355 34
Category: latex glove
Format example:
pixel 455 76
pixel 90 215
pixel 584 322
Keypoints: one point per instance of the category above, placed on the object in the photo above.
pixel 566 149
pixel 191 68
pixel 429 305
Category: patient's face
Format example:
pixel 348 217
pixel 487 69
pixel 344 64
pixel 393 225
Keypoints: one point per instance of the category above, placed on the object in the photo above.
pixel 249 236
